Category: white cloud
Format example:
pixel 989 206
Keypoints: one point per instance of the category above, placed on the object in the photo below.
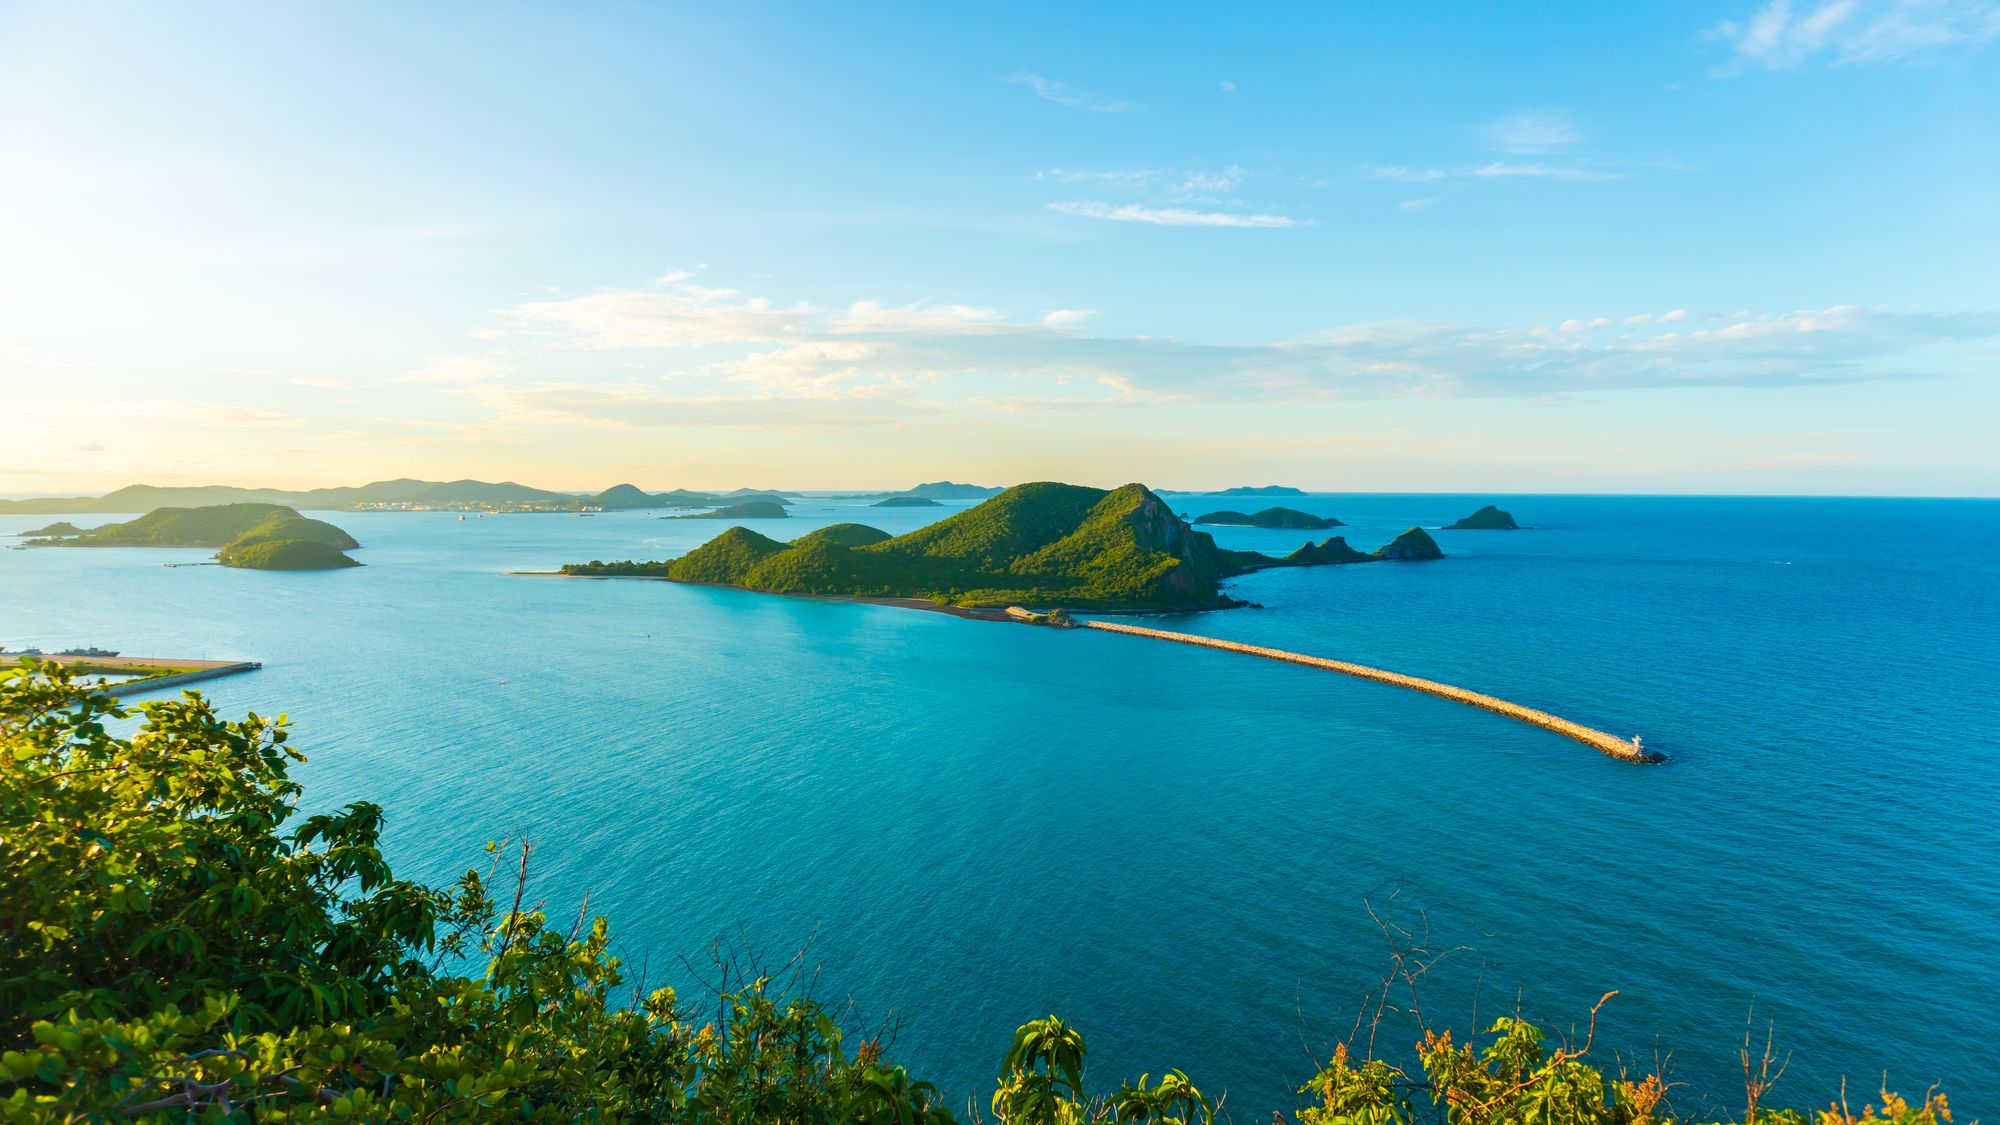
pixel 1782 35
pixel 1063 93
pixel 950 320
pixel 1533 132
pixel 1502 170
pixel 1416 204
pixel 189 412
pixel 1406 175
pixel 458 369
pixel 1492 170
pixel 1227 86
pixel 1178 185
pixel 682 314
pixel 1173 216
pixel 873 359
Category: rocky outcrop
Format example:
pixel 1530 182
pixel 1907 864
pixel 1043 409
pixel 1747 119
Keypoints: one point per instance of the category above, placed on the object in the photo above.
pixel 1414 545
pixel 1488 518
pixel 1332 552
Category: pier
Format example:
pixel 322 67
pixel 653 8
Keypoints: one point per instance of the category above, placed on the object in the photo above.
pixel 1624 749
pixel 152 672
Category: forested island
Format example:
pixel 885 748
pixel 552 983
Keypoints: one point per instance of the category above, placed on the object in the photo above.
pixel 1043 544
pixel 247 536
pixel 906 502
pixel 1488 518
pixel 1283 518
pixel 749 510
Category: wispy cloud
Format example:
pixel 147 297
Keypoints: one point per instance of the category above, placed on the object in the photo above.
pixel 1533 132
pixel 455 369
pixel 1173 216
pixel 1064 93
pixel 190 412
pixel 865 364
pixel 1494 170
pixel 1173 184
pixel 1781 35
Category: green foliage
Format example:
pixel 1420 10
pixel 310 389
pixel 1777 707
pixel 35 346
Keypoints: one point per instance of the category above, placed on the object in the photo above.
pixel 283 554
pixel 747 510
pixel 177 944
pixel 217 526
pixel 1042 543
pixel 1271 517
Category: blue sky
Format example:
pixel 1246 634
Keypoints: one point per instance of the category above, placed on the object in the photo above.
pixel 1716 247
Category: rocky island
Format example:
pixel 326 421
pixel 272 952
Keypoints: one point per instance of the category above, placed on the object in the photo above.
pixel 248 536
pixel 57 529
pixel 1044 544
pixel 1285 518
pixel 1488 518
pixel 748 510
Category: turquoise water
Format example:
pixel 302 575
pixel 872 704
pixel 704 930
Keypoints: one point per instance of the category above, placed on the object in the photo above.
pixel 977 824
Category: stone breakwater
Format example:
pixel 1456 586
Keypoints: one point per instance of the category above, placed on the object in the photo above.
pixel 1624 749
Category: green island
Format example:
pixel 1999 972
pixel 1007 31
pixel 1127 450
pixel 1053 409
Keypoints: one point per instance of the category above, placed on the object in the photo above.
pixel 1488 518
pixel 1283 518
pixel 58 528
pixel 1045 544
pixel 183 943
pixel 906 502
pixel 249 536
pixel 748 510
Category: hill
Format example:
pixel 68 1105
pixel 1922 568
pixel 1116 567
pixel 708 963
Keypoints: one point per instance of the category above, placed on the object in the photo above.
pixel 1414 545
pixel 1244 490
pixel 950 490
pixel 906 502
pixel 1488 518
pixel 748 510
pixel 218 525
pixel 60 527
pixel 1271 517
pixel 251 536
pixel 1035 544
pixel 284 554
pixel 623 496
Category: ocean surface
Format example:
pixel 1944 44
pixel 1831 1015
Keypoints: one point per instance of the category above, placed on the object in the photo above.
pixel 969 825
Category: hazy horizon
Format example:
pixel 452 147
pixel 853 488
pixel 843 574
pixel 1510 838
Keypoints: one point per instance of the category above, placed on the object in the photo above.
pixel 1726 248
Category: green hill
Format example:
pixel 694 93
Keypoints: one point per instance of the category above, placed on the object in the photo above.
pixel 1271 517
pixel 284 554
pixel 1414 545
pixel 906 502
pixel 748 510
pixel 219 525
pixel 251 536
pixel 1034 544
pixel 1488 518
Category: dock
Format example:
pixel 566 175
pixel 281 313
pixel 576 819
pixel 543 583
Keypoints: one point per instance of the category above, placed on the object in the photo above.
pixel 154 672
pixel 1624 749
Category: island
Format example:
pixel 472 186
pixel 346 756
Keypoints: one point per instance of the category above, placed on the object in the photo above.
pixel 1043 544
pixel 1262 490
pixel 247 536
pixel 907 502
pixel 748 510
pixel 1287 518
pixel 59 528
pixel 1488 518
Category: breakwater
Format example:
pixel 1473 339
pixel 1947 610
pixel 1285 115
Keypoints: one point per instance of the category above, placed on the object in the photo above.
pixel 134 687
pixel 1624 749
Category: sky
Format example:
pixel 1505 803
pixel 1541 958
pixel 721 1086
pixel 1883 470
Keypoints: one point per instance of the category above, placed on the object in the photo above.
pixel 1740 246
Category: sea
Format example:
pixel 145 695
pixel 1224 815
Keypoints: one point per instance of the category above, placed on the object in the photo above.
pixel 1205 861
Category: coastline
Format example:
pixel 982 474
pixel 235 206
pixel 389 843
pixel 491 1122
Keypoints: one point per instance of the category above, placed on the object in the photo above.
pixel 970 613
